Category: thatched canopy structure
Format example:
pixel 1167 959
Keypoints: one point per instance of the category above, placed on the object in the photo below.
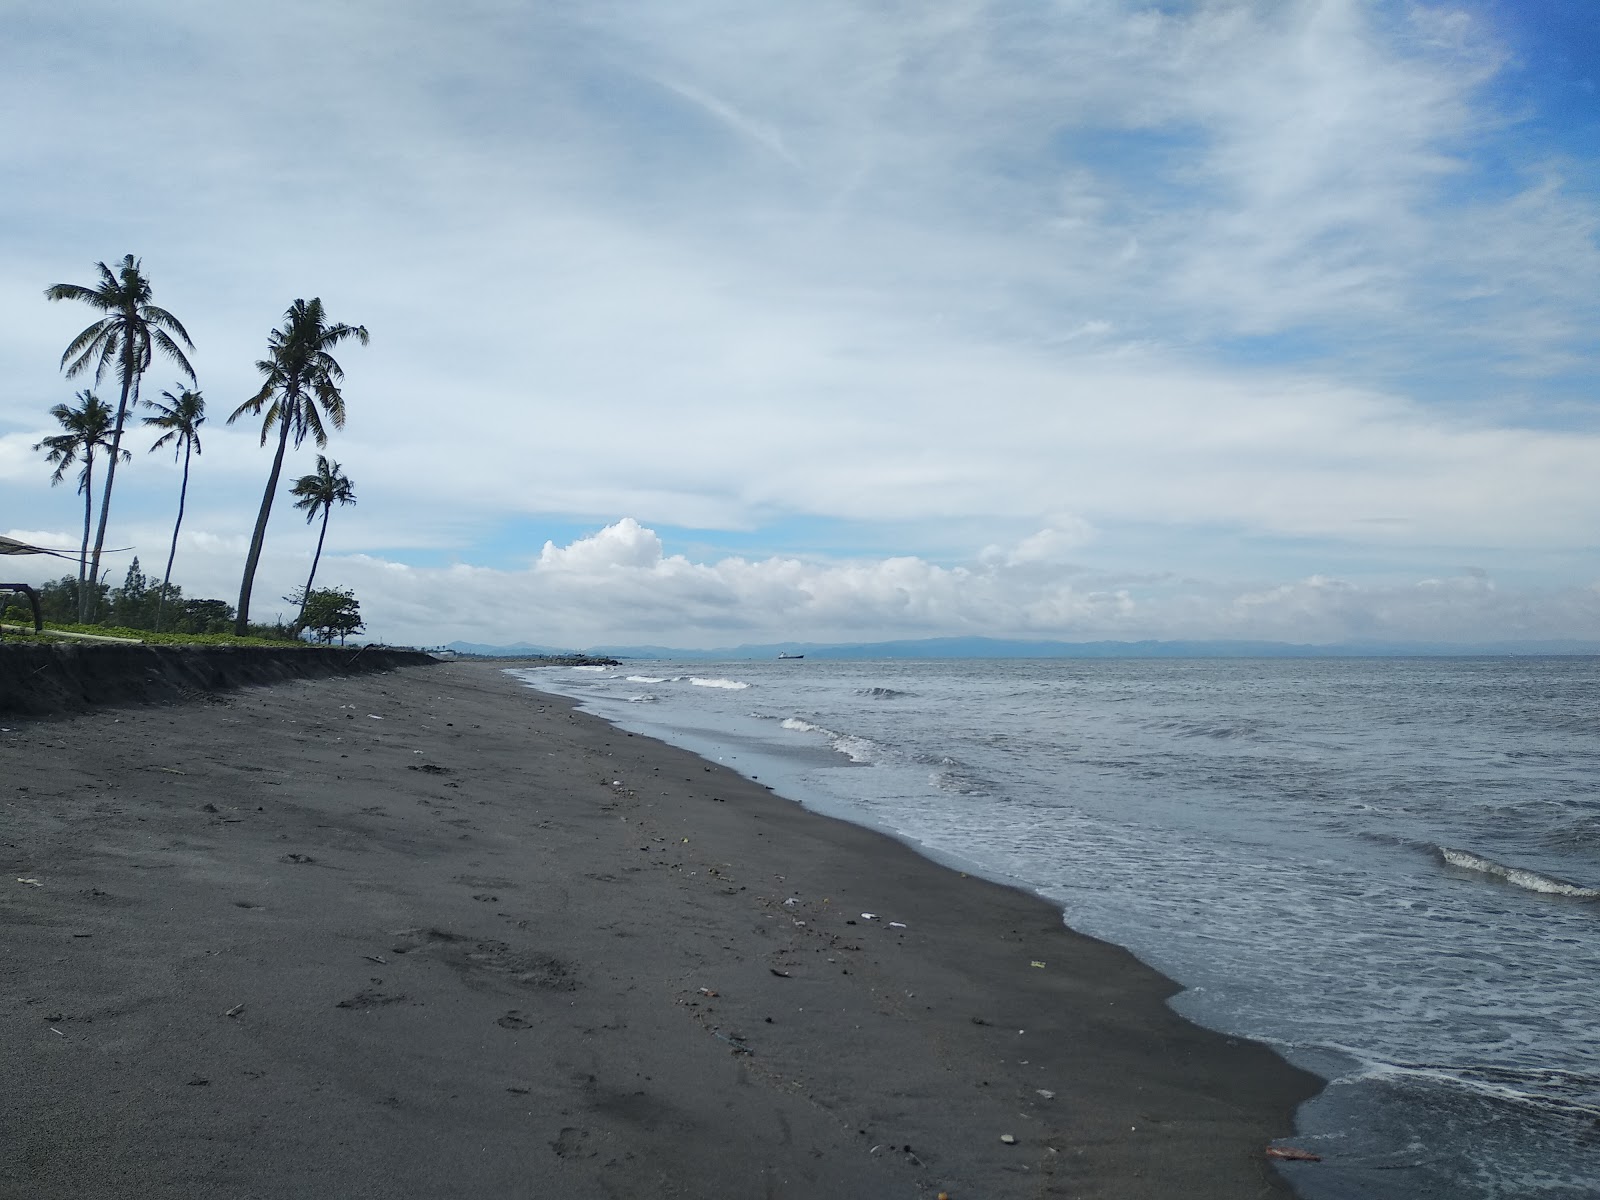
pixel 12 546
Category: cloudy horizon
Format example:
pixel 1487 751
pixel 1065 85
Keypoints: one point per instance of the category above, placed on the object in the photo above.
pixel 719 324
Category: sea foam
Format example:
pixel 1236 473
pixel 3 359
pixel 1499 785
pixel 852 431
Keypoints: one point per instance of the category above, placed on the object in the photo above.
pixel 1518 876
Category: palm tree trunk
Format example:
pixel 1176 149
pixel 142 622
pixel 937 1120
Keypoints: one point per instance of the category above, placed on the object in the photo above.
pixel 86 599
pixel 241 624
pixel 299 621
pixel 88 512
pixel 183 492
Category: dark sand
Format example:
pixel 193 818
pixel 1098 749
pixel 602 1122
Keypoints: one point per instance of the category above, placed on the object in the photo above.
pixel 272 947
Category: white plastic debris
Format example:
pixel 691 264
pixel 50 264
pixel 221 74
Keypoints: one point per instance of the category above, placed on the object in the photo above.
pixel 897 924
pixel 869 916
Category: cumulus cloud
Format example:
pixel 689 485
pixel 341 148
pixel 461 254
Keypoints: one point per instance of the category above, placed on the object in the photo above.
pixel 1045 302
pixel 618 585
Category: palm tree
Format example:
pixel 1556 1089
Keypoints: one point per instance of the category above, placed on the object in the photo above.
pixel 181 417
pixel 319 493
pixel 126 336
pixel 302 384
pixel 86 429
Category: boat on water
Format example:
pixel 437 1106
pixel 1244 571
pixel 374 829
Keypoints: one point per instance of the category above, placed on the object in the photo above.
pixel 791 656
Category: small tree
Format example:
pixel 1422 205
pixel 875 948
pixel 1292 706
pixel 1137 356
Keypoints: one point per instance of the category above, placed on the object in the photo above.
pixel 330 611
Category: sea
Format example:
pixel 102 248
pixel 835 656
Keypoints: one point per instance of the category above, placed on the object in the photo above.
pixel 1386 869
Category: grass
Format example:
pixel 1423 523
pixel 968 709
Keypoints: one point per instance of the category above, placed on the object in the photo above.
pixel 158 639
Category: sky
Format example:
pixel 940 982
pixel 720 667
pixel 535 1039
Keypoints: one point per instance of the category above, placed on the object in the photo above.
pixel 708 323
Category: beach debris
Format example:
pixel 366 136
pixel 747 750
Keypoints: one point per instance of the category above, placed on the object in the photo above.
pixel 198 1081
pixel 897 924
pixel 738 1046
pixel 376 958
pixel 29 882
pixel 56 1031
pixel 297 858
pixel 1047 1093
pixel 707 992
pixel 1008 1139
pixel 1037 963
pixel 234 1011
pixel 869 916
pixel 792 901
pixel 174 771
pixel 368 998
pixel 780 974
pixel 374 716
pixel 1292 1154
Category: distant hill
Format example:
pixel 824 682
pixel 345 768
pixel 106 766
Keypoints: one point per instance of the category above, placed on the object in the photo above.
pixel 980 647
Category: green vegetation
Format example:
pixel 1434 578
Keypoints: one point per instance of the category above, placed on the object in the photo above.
pixel 330 611
pixel 302 385
pixel 181 419
pixel 128 335
pixel 319 493
pixel 86 428
pixel 300 395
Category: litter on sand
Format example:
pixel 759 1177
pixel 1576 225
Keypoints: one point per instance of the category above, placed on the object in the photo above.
pixel 1292 1154
pixel 1008 1139
pixel 897 924
pixel 869 916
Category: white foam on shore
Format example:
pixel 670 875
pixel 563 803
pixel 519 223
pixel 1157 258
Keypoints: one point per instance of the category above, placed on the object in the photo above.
pixel 731 684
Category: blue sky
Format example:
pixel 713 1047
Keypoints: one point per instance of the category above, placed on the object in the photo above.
pixel 1080 319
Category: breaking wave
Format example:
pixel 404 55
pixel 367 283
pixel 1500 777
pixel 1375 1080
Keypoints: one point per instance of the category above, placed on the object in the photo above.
pixel 856 749
pixel 732 684
pixel 1517 876
pixel 881 693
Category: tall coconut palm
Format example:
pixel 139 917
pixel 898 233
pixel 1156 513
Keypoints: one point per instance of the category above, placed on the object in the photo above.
pixel 301 387
pixel 126 337
pixel 319 492
pixel 181 418
pixel 87 429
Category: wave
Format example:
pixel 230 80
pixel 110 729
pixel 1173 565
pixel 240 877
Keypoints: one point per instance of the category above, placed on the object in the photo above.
pixel 1551 1090
pixel 882 693
pixel 1548 885
pixel 645 698
pixel 602 669
pixel 646 679
pixel 856 749
pixel 733 684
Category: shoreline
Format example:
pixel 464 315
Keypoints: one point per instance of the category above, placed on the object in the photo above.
pixel 492 945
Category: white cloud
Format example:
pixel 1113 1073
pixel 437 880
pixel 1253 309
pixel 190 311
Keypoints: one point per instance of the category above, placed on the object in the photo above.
pixel 1226 276
pixel 618 585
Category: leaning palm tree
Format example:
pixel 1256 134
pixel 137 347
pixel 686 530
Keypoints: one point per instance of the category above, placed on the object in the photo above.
pixel 87 428
pixel 302 385
pixel 319 492
pixel 181 418
pixel 125 337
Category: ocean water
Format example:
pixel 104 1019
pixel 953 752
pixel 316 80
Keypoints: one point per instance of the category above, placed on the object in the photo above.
pixel 1384 868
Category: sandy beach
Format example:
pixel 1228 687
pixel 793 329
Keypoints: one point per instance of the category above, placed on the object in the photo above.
pixel 430 934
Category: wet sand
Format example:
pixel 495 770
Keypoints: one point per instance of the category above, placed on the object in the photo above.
pixel 429 934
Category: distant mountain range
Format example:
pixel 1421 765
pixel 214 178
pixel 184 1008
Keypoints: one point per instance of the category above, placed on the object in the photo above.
pixel 980 647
